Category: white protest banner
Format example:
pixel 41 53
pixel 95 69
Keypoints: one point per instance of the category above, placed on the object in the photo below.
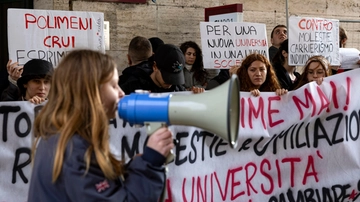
pixel 49 34
pixel 313 36
pixel 226 44
pixel 303 146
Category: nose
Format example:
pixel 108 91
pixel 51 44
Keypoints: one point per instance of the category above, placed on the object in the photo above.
pixel 121 93
pixel 42 85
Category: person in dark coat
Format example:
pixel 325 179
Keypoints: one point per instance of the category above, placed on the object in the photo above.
pixel 34 83
pixel 166 74
pixel 285 73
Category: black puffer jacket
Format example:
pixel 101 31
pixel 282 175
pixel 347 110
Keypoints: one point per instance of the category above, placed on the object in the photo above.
pixel 138 77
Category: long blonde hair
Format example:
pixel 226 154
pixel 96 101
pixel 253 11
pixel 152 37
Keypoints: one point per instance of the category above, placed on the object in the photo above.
pixel 74 107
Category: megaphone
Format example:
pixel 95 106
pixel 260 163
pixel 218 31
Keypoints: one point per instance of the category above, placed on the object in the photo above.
pixel 215 111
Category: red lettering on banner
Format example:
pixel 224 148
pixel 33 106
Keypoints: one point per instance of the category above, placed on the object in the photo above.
pixel 168 190
pixel 308 173
pixel 325 103
pixel 257 113
pixel 232 188
pixel 308 99
pixel 226 63
pixel 59 42
pixel 248 179
pixel 334 95
pixel 233 184
pixel 58 22
pixel 347 101
pixel 315 24
pixel 292 168
pixel 272 111
pixel 266 175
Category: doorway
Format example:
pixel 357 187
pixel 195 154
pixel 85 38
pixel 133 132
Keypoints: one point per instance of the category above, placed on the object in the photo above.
pixel 4 54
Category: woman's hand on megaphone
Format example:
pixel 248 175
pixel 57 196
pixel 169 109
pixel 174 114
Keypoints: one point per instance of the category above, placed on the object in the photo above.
pixel 161 141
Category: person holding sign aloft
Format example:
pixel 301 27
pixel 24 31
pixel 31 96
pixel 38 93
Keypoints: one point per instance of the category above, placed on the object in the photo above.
pixel 72 159
pixel 256 74
pixel 32 81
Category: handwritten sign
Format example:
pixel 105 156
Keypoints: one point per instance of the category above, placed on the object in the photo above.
pixel 49 34
pixel 313 36
pixel 226 44
pixel 303 146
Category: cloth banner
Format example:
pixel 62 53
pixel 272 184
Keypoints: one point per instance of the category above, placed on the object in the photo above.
pixel 303 146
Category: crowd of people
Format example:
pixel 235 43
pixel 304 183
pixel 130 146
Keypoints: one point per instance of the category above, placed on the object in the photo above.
pixel 72 144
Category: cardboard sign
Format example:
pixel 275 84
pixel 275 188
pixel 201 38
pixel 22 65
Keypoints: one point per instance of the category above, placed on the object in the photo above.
pixel 226 44
pixel 50 34
pixel 313 36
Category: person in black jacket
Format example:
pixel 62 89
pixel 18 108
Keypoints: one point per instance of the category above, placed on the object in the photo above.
pixel 139 52
pixel 33 85
pixel 277 36
pixel 285 73
pixel 165 75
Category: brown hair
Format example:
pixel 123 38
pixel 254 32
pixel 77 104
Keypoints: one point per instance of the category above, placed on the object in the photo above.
pixel 271 83
pixel 139 49
pixel 317 58
pixel 342 37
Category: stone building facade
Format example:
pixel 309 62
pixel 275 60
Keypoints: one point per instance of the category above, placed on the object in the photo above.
pixel 176 21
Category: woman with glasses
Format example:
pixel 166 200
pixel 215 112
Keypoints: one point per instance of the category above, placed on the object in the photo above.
pixel 316 68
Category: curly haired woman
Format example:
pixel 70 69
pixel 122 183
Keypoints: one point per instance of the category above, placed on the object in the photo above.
pixel 256 74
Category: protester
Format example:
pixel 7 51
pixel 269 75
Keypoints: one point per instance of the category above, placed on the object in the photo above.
pixel 222 77
pixel 139 51
pixel 342 43
pixel 342 37
pixel 285 73
pixel 278 35
pixel 256 74
pixel 34 83
pixel 166 74
pixel 194 72
pixel 316 68
pixel 72 160
pixel 155 43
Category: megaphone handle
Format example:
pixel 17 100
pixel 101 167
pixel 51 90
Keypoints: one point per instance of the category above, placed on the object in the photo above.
pixel 151 127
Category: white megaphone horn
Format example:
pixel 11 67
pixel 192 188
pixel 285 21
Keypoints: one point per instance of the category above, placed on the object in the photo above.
pixel 215 111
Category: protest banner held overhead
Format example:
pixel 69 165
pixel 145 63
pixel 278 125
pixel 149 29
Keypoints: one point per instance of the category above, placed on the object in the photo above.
pixel 49 34
pixel 227 44
pixel 309 36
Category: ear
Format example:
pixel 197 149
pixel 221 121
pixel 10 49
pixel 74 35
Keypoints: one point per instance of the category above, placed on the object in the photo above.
pixel 129 59
pixel 154 67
